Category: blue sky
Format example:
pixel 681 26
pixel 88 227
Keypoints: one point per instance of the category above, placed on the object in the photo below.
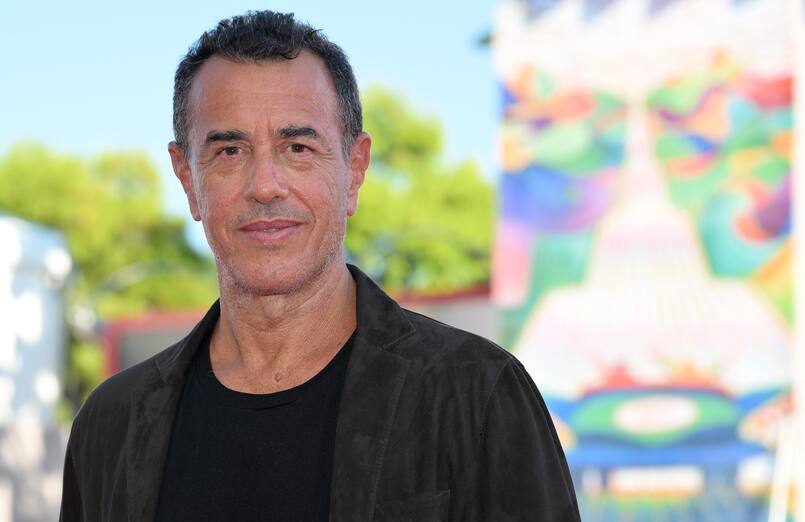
pixel 87 76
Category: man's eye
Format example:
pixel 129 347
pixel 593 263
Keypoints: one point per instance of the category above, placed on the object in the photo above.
pixel 231 150
pixel 298 148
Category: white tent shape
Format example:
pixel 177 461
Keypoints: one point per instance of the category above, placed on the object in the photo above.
pixel 649 304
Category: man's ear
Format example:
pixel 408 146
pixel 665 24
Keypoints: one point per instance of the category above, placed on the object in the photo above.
pixel 358 163
pixel 181 168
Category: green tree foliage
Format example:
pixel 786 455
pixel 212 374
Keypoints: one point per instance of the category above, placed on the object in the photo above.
pixel 129 254
pixel 421 225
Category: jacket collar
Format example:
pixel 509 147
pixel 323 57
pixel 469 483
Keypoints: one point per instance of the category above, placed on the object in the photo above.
pixel 380 323
pixel 374 380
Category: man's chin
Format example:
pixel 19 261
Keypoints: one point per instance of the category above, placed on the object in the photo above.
pixel 276 280
pixel 268 286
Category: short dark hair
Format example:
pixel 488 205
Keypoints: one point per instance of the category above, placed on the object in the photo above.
pixel 266 35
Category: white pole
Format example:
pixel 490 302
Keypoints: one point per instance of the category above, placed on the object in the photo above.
pixel 797 20
pixel 783 468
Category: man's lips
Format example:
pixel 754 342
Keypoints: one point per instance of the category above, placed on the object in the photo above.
pixel 271 231
pixel 272 225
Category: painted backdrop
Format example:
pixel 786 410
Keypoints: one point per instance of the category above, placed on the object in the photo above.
pixel 643 255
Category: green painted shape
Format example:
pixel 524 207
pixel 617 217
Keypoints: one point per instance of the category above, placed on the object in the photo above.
pixel 543 85
pixel 780 119
pixel 557 260
pixel 615 134
pixel 783 301
pixel 596 416
pixel 681 98
pixel 562 144
pixel 586 164
pixel 673 145
pixel 749 135
pixel 773 171
pixel 693 194
pixel 728 252
pixel 606 104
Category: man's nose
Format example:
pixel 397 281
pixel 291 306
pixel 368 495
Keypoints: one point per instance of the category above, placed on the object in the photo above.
pixel 267 179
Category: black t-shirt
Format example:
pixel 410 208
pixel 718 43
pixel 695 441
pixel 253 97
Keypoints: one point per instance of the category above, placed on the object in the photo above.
pixel 241 456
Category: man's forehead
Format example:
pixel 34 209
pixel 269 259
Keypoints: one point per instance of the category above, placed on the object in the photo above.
pixel 222 85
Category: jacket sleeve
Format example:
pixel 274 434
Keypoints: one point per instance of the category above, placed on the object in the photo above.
pixel 523 472
pixel 70 510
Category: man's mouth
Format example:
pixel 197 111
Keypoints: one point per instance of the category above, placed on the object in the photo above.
pixel 272 230
pixel 269 226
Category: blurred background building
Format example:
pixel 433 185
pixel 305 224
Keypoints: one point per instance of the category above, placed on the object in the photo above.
pixel 34 267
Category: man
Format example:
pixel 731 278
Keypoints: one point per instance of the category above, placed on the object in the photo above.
pixel 305 393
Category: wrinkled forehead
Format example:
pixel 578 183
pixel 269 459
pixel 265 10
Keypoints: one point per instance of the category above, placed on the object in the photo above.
pixel 228 92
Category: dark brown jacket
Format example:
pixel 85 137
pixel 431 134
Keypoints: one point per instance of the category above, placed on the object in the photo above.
pixel 434 424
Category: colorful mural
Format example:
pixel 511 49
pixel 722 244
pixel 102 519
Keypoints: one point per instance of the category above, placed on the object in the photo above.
pixel 643 257
pixel 562 152
pixel 723 138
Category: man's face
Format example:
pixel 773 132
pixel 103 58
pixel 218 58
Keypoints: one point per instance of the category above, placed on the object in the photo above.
pixel 264 170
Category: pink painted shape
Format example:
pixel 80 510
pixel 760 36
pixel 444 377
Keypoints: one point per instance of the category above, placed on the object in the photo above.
pixel 511 264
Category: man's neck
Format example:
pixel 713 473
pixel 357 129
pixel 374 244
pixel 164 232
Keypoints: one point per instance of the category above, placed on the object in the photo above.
pixel 264 344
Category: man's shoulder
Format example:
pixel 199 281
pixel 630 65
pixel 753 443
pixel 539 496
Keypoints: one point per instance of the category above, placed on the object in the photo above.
pixel 441 346
pixel 112 396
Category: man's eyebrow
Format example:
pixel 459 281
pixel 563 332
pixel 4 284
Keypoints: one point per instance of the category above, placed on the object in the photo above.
pixel 296 131
pixel 225 135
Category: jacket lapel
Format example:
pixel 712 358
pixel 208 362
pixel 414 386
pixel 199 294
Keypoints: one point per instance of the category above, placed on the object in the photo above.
pixel 374 381
pixel 151 415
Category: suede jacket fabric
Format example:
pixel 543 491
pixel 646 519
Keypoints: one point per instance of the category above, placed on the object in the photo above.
pixel 434 424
